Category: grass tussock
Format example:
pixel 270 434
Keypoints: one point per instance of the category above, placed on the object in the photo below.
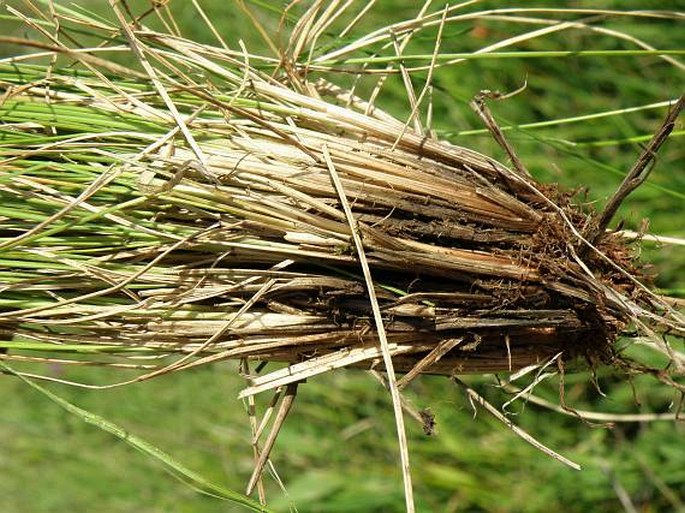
pixel 206 203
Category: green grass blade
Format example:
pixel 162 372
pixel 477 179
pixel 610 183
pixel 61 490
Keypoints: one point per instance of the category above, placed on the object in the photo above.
pixel 177 469
pixel 564 121
pixel 425 58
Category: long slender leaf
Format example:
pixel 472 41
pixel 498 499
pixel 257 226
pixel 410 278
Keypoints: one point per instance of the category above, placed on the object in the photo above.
pixel 191 478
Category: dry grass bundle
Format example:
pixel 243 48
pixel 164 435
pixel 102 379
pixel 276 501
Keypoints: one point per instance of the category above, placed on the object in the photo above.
pixel 213 204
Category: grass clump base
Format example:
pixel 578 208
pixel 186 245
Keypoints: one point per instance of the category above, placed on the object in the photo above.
pixel 208 204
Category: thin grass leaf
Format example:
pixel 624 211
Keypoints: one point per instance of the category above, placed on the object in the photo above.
pixel 175 468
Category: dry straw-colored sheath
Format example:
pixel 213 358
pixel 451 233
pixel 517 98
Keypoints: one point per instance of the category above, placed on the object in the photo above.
pixel 193 210
pixel 205 203
pixel 124 243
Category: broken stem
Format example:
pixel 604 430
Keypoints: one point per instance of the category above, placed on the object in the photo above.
pixel 476 397
pixel 286 404
pixel 636 176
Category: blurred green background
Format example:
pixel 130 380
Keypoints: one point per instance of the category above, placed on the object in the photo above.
pixel 337 451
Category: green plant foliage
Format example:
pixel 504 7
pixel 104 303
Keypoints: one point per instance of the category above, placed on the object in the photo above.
pixel 580 121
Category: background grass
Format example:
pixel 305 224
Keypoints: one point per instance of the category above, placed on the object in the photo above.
pixel 337 452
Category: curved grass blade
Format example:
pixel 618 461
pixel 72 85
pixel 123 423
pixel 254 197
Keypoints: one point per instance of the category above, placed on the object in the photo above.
pixel 175 468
